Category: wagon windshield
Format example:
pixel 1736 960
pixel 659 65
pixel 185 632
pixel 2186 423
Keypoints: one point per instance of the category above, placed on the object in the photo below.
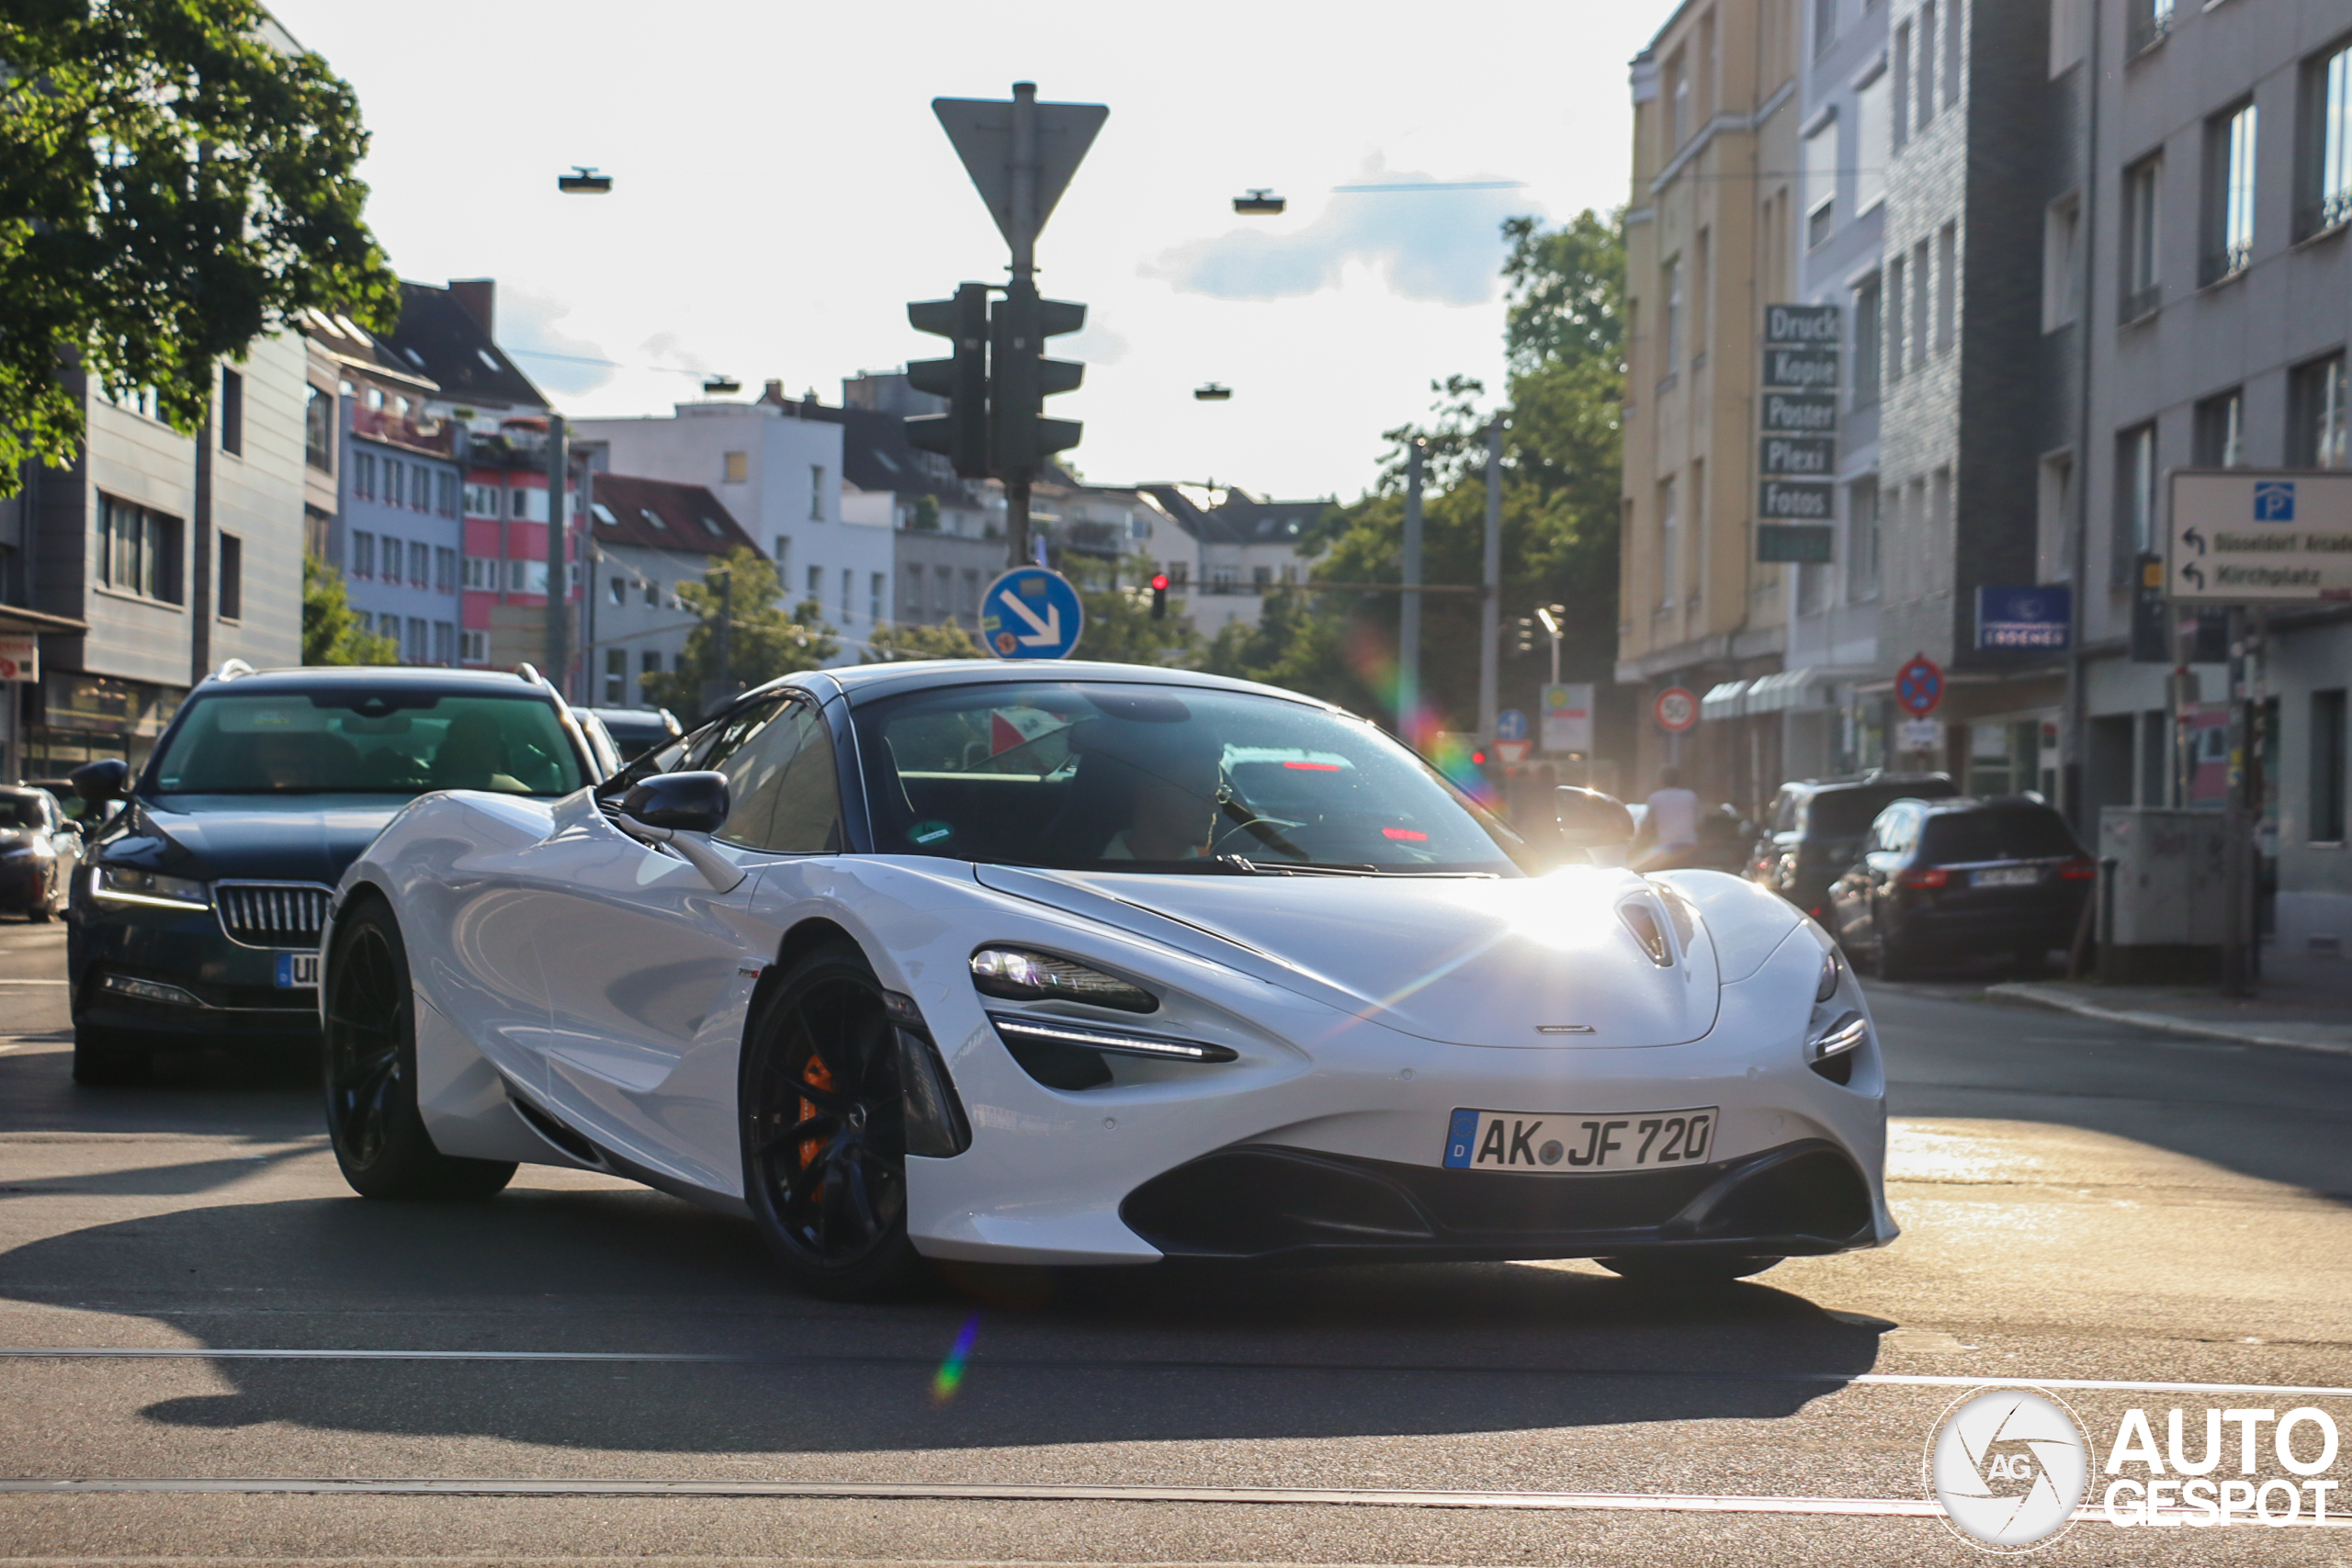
pixel 1152 778
pixel 397 743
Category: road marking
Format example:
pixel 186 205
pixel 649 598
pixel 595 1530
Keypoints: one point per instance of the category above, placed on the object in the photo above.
pixel 730 1358
pixel 991 1492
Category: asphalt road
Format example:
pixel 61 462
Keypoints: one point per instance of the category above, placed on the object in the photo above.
pixel 2079 1202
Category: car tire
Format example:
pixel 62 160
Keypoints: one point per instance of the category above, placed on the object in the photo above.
pixel 1685 1271
pixel 369 1066
pixel 106 1058
pixel 824 1130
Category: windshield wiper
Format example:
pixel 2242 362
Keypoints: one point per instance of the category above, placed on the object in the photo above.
pixel 1332 868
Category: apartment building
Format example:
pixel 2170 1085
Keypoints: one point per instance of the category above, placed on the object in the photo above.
pixel 1710 239
pixel 650 535
pixel 1223 549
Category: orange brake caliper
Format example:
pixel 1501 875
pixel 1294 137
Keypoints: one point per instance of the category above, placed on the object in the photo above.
pixel 819 1076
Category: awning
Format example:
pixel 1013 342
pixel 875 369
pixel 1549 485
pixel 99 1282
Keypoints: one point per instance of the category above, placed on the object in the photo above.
pixel 19 620
pixel 1723 701
pixel 1788 689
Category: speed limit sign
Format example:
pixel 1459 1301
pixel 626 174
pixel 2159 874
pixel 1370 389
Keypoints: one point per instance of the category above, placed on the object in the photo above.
pixel 1675 709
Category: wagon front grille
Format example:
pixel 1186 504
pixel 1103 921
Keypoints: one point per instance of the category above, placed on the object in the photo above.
pixel 272 914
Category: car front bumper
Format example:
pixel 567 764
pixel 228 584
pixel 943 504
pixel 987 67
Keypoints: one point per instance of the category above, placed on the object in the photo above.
pixel 232 990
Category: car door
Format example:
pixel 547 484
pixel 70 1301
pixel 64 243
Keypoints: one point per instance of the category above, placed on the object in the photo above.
pixel 653 965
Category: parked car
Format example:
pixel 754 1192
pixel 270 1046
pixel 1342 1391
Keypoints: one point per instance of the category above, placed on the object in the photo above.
pixel 199 918
pixel 1815 829
pixel 39 849
pixel 637 731
pixel 1959 878
pixel 1072 963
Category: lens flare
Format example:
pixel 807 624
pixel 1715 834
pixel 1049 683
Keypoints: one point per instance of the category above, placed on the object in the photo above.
pixel 950 1376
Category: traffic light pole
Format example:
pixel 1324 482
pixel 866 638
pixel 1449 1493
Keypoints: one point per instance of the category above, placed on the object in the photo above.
pixel 1490 609
pixel 1021 234
pixel 1408 613
pixel 558 643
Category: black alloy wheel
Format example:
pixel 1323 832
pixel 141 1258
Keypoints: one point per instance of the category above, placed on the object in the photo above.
pixel 824 1130
pixel 372 1118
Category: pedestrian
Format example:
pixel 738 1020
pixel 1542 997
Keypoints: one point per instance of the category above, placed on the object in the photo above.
pixel 1669 829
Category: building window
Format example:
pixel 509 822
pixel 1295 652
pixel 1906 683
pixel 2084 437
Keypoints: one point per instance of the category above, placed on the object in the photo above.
pixel 363 554
pixel 648 663
pixel 2219 434
pixel 138 551
pixel 1946 287
pixel 1896 270
pixel 2062 238
pixel 231 577
pixel 1671 287
pixel 816 492
pixel 482 574
pixel 1900 71
pixel 1820 185
pixel 2146 25
pixel 2326 198
pixel 420 566
pixel 363 476
pixel 518 502
pixel 1669 562
pixel 2054 508
pixel 1920 322
pixel 1873 145
pixel 1677 98
pixel 849 586
pixel 2315 411
pixel 1926 63
pixel 445 569
pixel 482 501
pixel 2229 196
pixel 616 677
pixel 735 468
pixel 1700 249
pixel 232 414
pixel 1824 24
pixel 2328 777
pixel 445 491
pixel 875 587
pixel 2135 493
pixel 652 594
pixel 617 589
pixel 2069 35
pixel 1867 347
pixel 1951 53
pixel 417 647
pixel 473 647
pixel 816 583
pixel 318 430
pixel 2143 284
pixel 1861 539
pixel 393 476
pixel 444 642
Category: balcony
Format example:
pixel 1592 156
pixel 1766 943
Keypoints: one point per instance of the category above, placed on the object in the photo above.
pixel 2219 267
pixel 2316 219
pixel 426 434
pixel 2140 303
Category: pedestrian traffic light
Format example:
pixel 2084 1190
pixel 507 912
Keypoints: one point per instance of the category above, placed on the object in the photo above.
pixel 1159 596
pixel 1020 378
pixel 961 435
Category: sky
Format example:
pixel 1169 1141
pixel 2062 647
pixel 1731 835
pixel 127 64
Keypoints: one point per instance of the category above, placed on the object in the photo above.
pixel 781 191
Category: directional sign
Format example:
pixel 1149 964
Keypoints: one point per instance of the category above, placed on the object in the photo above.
pixel 1675 709
pixel 1568 718
pixel 1918 686
pixel 2241 537
pixel 1031 613
pixel 1510 725
pixel 981 130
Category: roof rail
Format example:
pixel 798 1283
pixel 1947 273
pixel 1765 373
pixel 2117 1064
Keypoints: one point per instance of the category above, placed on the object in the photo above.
pixel 530 673
pixel 231 670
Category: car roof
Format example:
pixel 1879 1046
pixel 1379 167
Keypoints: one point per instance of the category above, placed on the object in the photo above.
pixel 309 677
pixel 1986 802
pixel 1876 781
pixel 866 682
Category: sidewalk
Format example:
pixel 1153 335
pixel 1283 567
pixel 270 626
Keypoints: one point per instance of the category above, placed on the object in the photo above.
pixel 2301 1001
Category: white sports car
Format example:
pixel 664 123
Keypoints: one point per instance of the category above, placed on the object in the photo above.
pixel 1085 964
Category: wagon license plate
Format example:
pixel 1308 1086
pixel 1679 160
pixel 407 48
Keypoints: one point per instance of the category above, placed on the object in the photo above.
pixel 298 971
pixel 2005 876
pixel 1562 1143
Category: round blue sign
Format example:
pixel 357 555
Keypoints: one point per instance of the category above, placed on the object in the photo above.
pixel 1510 725
pixel 1031 613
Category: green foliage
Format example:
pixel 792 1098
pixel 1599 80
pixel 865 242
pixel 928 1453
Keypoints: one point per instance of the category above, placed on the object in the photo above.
pixel 172 188
pixel 1119 627
pixel 1564 340
pixel 926 515
pixel 331 633
pixel 898 643
pixel 764 639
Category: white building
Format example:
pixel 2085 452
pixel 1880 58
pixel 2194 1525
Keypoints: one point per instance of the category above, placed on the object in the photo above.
pixel 779 476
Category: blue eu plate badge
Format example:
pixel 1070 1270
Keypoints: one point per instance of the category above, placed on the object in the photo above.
pixel 297 971
pixel 1459 1139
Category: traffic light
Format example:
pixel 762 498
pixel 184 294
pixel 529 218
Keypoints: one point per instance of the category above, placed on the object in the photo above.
pixel 961 435
pixel 1159 596
pixel 1020 378
pixel 1524 635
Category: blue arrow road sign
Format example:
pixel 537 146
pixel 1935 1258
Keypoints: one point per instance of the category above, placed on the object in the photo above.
pixel 1031 613
pixel 1510 725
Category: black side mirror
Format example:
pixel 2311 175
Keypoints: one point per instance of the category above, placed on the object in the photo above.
pixel 680 803
pixel 99 782
pixel 1591 820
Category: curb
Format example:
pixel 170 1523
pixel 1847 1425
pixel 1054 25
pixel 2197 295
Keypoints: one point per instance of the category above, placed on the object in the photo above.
pixel 2032 995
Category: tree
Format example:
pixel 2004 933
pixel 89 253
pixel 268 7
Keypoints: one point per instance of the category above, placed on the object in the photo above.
pixel 173 186
pixel 764 639
pixel 898 642
pixel 330 630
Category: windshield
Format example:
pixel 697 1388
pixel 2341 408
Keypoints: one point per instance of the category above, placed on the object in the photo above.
pixel 1157 778
pixel 355 741
pixel 2007 833
pixel 21 811
pixel 1848 813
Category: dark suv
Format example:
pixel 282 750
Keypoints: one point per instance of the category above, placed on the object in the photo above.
pixel 198 915
pixel 1962 878
pixel 1814 832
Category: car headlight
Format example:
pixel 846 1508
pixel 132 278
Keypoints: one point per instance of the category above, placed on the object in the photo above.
pixel 1023 975
pixel 1842 1034
pixel 130 884
pixel 1837 1030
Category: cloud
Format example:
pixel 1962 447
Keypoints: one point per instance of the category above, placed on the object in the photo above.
pixel 1443 246
pixel 1096 344
pixel 527 328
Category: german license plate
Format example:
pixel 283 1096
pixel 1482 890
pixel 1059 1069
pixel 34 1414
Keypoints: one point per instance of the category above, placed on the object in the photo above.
pixel 1561 1143
pixel 2005 876
pixel 297 971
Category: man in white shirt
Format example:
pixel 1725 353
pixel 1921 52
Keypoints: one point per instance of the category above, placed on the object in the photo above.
pixel 1670 828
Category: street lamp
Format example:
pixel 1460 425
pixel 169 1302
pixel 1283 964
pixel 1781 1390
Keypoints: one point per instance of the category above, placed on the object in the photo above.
pixel 722 385
pixel 1551 618
pixel 1259 201
pixel 1212 392
pixel 584 180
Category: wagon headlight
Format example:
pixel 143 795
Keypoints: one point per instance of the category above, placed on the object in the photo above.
pixel 130 884
pixel 1020 974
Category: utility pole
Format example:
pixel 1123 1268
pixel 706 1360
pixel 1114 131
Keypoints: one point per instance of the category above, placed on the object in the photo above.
pixel 558 645
pixel 1408 613
pixel 1490 611
pixel 2238 854
pixel 1023 237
